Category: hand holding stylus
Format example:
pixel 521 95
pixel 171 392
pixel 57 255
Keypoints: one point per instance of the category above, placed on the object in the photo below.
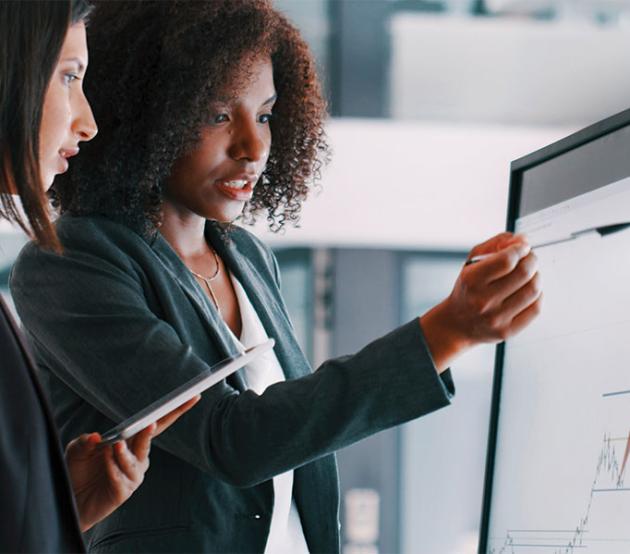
pixel 602 230
pixel 492 299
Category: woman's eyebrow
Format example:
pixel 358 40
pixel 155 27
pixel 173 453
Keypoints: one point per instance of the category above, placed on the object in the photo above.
pixel 79 63
pixel 227 100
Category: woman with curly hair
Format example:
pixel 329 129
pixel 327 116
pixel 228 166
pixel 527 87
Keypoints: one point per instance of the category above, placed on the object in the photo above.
pixel 44 116
pixel 210 111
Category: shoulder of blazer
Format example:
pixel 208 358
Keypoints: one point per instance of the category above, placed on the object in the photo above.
pixel 119 245
pixel 83 237
pixel 91 234
pixel 99 235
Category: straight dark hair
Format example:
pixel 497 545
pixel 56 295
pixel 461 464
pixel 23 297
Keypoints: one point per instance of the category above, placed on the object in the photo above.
pixel 31 37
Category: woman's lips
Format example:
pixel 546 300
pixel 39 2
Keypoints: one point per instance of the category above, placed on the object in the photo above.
pixel 65 154
pixel 64 164
pixel 241 194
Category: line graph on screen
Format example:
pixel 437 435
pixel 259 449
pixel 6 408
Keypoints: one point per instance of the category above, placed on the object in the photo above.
pixel 611 476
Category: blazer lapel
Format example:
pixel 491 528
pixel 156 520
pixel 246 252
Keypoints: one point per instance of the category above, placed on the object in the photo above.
pixel 207 311
pixel 267 305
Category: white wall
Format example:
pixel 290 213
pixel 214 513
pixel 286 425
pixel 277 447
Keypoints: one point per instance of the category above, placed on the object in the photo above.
pixel 512 71
pixel 413 185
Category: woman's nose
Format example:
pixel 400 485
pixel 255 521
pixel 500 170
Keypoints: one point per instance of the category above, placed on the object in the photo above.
pixel 84 124
pixel 249 143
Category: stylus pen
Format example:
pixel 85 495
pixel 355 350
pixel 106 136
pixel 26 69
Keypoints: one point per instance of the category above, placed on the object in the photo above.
pixel 603 231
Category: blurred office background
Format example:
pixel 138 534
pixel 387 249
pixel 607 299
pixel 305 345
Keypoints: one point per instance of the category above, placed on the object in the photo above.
pixel 430 101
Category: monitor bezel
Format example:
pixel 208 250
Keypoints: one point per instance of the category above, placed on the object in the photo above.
pixel 517 167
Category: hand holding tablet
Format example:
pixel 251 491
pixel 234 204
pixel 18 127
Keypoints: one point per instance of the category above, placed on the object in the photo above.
pixel 183 393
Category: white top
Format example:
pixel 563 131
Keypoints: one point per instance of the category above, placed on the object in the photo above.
pixel 285 534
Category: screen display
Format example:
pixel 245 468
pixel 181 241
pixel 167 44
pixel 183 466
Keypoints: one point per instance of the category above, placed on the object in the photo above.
pixel 561 478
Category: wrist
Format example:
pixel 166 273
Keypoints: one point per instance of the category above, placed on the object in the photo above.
pixel 86 521
pixel 85 526
pixel 443 337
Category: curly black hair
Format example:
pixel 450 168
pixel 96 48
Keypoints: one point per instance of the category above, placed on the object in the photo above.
pixel 155 67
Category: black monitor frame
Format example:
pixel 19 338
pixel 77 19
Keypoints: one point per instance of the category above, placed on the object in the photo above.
pixel 517 168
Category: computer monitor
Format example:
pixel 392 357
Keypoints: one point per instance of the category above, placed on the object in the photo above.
pixel 558 466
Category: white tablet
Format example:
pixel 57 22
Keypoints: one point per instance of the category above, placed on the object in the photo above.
pixel 183 393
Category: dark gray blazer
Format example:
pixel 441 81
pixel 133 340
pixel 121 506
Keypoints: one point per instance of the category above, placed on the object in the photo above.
pixel 118 320
pixel 37 511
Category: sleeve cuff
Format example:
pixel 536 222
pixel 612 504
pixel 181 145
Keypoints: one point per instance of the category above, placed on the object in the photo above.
pixel 446 377
pixel 447 381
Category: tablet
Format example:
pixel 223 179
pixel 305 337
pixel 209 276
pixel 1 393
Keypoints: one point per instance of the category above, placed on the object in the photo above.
pixel 183 393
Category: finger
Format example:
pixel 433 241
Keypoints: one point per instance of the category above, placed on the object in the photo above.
pixel 170 418
pixel 120 484
pixel 127 462
pixel 75 445
pixel 83 445
pixel 522 299
pixel 498 265
pixel 140 445
pixel 522 274
pixel 112 468
pixel 526 317
pixel 491 245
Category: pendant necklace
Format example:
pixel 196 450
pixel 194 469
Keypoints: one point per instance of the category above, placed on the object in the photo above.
pixel 208 280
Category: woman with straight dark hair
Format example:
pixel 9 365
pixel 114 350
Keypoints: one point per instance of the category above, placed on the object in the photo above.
pixel 44 115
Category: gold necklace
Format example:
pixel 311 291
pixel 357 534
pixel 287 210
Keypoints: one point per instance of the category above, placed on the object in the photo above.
pixel 207 280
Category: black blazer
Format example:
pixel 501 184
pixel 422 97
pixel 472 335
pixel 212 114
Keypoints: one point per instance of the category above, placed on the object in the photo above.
pixel 37 512
pixel 118 320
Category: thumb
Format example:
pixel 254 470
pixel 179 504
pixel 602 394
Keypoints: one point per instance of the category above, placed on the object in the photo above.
pixel 498 243
pixel 515 239
pixel 84 444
